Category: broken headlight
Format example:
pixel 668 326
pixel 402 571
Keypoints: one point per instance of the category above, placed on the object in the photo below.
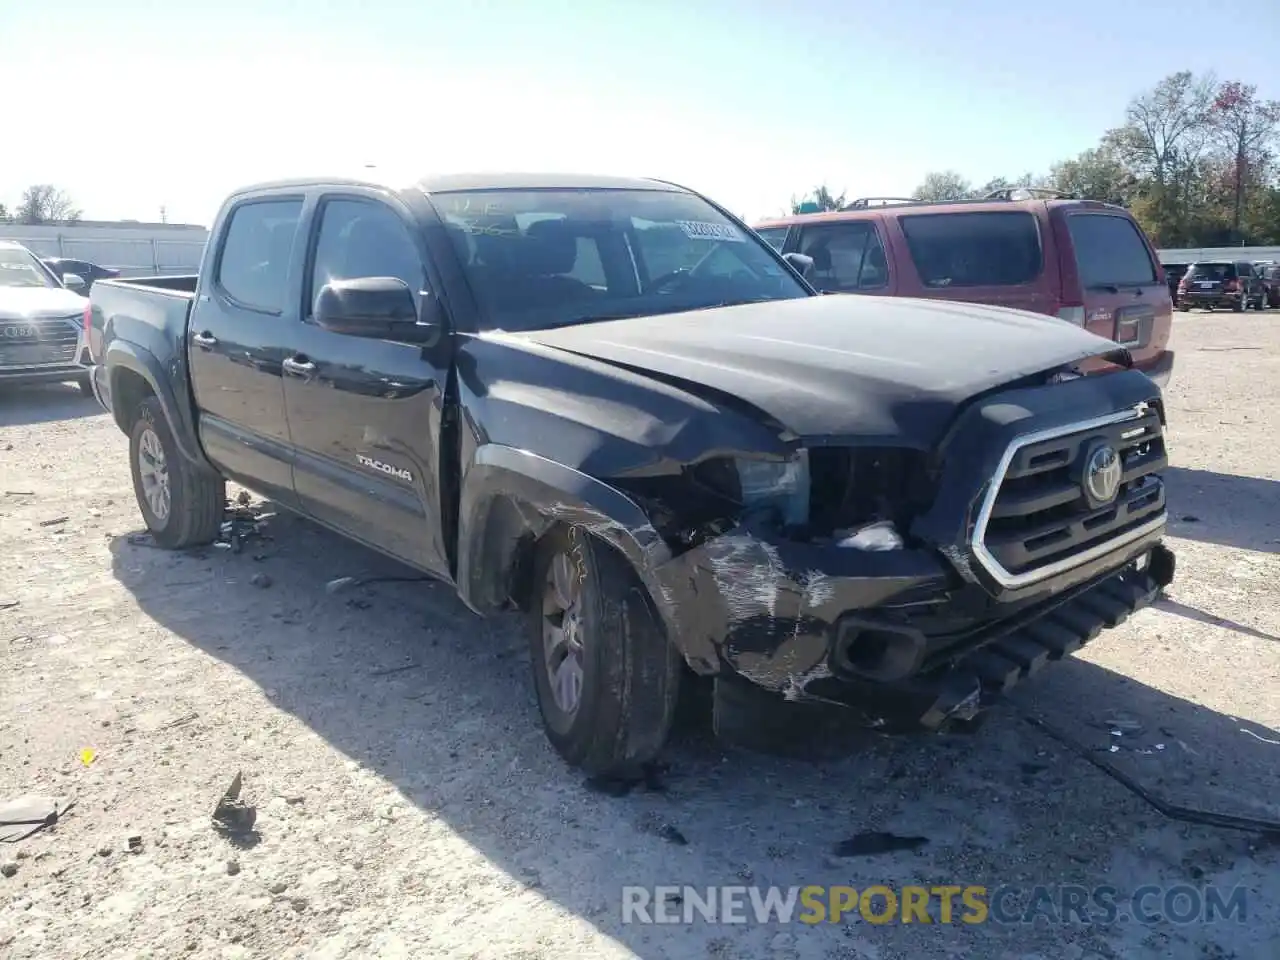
pixel 781 486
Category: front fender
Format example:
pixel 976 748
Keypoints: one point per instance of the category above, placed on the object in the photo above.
pixel 121 357
pixel 509 496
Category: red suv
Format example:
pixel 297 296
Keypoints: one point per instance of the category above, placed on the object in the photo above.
pixel 1081 261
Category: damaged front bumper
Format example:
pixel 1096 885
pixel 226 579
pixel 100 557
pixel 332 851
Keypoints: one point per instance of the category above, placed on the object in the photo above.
pixel 893 634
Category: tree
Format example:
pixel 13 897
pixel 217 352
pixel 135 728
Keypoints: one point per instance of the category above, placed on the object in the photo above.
pixel 1164 137
pixel 947 185
pixel 1244 126
pixel 4 212
pixel 820 196
pixel 1004 183
pixel 1095 174
pixel 45 203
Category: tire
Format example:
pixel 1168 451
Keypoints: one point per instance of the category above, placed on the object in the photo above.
pixel 628 673
pixel 1183 308
pixel 86 387
pixel 189 510
pixel 1237 306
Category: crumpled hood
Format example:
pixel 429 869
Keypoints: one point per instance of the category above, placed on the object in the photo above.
pixel 873 368
pixel 39 303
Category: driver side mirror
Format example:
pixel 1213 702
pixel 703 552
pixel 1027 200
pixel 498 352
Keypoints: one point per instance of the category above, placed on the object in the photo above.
pixel 380 308
pixel 800 263
pixel 74 282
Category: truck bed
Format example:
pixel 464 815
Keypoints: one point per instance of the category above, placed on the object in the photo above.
pixel 140 320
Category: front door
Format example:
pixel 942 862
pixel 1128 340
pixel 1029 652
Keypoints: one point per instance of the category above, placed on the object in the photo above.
pixel 242 318
pixel 365 414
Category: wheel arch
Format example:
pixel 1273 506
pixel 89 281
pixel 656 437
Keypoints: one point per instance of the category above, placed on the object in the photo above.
pixel 134 375
pixel 510 500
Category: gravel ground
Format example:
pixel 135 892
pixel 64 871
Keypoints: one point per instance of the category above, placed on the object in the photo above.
pixel 409 806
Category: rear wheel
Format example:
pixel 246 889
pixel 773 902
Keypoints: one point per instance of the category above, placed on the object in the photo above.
pixel 1237 306
pixel 182 506
pixel 606 677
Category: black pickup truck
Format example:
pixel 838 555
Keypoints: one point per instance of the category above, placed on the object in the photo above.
pixel 608 403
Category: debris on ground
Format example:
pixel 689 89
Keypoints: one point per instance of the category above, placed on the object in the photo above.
pixel 135 844
pixel 88 755
pixel 260 580
pixel 8 604
pixel 54 522
pixel 669 833
pixel 23 816
pixel 232 817
pixel 872 842
pixel 233 867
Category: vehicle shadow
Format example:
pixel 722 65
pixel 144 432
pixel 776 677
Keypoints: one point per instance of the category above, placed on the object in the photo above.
pixel 1225 509
pixel 404 681
pixel 22 404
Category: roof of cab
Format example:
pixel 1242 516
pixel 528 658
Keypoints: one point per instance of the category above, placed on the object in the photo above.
pixel 924 206
pixel 539 181
pixel 447 183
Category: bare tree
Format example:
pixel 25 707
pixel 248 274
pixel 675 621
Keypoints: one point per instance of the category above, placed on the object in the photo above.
pixel 1158 121
pixel 947 185
pixel 1244 126
pixel 45 203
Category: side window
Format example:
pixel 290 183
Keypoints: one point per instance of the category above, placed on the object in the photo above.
pixel 973 249
pixel 254 266
pixel 775 237
pixel 363 238
pixel 846 256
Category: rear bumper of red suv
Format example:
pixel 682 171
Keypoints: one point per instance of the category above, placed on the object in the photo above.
pixel 1159 368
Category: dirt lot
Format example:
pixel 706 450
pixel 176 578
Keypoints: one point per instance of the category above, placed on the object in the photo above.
pixel 408 805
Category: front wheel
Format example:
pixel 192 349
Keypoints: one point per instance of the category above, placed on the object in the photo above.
pixel 182 506
pixel 607 678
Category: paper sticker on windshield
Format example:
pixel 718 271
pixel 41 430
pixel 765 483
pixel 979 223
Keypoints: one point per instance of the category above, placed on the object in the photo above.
pixel 697 230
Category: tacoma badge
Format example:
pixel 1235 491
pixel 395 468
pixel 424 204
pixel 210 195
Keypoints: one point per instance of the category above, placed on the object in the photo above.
pixel 386 468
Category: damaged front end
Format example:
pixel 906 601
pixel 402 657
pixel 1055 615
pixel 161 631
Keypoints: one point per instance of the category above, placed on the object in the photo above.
pixel 915 587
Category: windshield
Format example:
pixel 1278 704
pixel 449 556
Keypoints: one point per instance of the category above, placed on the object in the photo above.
pixel 18 268
pixel 548 258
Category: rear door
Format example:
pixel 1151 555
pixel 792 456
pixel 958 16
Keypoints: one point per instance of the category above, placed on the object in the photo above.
pixel 981 256
pixel 848 256
pixel 1119 282
pixel 365 414
pixel 241 322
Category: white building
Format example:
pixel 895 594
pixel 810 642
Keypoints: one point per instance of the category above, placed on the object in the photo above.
pixel 133 248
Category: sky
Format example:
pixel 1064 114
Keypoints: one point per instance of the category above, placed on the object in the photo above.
pixel 132 106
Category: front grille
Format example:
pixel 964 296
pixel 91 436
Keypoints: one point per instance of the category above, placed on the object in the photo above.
pixel 33 343
pixel 1039 518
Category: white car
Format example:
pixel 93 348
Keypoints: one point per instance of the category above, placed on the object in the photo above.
pixel 41 321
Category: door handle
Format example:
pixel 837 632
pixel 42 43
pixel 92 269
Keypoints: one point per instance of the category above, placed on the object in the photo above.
pixel 204 339
pixel 299 368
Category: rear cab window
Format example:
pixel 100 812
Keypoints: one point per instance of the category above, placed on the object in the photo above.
pixel 1109 251
pixel 847 256
pixel 257 245
pixel 980 249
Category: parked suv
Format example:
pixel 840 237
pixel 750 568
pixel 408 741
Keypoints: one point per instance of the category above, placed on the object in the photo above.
pixel 1269 270
pixel 1222 283
pixel 1085 262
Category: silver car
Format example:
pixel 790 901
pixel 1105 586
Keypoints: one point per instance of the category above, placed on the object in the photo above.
pixel 41 321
